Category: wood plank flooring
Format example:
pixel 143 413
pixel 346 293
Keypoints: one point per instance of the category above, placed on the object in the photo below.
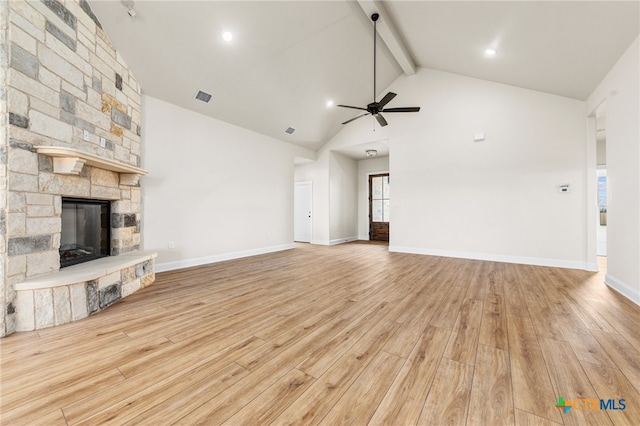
pixel 349 334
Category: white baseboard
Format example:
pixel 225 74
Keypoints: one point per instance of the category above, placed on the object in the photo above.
pixel 592 267
pixel 342 240
pixel 333 242
pixel 623 288
pixel 363 237
pixel 187 263
pixel 556 263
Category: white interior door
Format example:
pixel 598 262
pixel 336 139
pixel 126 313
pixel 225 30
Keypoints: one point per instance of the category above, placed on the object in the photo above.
pixel 302 197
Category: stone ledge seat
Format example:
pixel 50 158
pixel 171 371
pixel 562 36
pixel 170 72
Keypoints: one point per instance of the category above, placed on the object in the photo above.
pixel 81 290
pixel 86 271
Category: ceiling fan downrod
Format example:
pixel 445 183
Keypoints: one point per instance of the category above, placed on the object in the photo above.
pixel 374 18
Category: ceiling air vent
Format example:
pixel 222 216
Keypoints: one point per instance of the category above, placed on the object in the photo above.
pixel 203 96
pixel 290 130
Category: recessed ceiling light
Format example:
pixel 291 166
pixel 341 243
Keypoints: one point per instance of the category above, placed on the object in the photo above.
pixel 329 104
pixel 490 51
pixel 227 36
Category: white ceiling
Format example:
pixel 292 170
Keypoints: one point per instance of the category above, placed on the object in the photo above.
pixel 288 58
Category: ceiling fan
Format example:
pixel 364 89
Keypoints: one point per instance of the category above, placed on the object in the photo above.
pixel 376 108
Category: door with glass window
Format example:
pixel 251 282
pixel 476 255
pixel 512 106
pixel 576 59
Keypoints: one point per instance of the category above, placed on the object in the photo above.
pixel 379 207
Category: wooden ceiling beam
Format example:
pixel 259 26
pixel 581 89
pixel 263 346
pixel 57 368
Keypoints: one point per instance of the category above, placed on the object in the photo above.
pixel 390 35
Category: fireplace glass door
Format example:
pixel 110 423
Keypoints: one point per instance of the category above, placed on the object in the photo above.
pixel 86 229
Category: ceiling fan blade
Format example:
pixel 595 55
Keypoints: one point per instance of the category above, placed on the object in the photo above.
pixel 352 107
pixel 387 98
pixel 402 109
pixel 381 120
pixel 355 118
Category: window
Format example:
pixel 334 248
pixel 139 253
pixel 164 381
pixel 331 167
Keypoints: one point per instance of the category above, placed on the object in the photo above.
pixel 380 198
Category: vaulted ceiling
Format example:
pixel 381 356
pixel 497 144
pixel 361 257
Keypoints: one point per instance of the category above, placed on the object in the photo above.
pixel 288 58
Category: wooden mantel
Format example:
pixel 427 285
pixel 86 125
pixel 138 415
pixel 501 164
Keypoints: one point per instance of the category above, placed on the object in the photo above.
pixel 69 161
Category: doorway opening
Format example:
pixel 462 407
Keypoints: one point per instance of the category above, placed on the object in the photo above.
pixel 597 187
pixel 379 199
pixel 602 212
pixel 601 172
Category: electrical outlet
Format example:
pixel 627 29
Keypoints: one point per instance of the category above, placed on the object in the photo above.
pixel 171 245
pixel 85 135
pixel 103 142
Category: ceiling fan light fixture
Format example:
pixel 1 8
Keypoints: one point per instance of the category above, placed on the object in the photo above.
pixel 371 152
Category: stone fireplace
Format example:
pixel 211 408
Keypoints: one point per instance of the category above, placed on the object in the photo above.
pixel 72 109
pixel 50 295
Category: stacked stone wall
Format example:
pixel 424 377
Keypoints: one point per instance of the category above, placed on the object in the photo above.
pixel 6 306
pixel 66 86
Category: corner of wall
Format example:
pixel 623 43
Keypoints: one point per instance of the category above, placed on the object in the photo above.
pixel 623 288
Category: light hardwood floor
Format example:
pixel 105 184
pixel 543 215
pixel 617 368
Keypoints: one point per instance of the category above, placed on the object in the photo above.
pixel 349 334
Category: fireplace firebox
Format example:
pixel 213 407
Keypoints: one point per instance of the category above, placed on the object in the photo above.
pixel 86 230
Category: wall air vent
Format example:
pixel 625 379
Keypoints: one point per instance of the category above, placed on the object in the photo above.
pixel 290 130
pixel 203 96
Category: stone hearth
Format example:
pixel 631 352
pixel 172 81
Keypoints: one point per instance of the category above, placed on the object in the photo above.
pixel 81 290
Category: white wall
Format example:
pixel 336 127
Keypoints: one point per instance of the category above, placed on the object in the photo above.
pixel 343 198
pixel 365 168
pixel 620 91
pixel 601 153
pixel 496 199
pixel 216 190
